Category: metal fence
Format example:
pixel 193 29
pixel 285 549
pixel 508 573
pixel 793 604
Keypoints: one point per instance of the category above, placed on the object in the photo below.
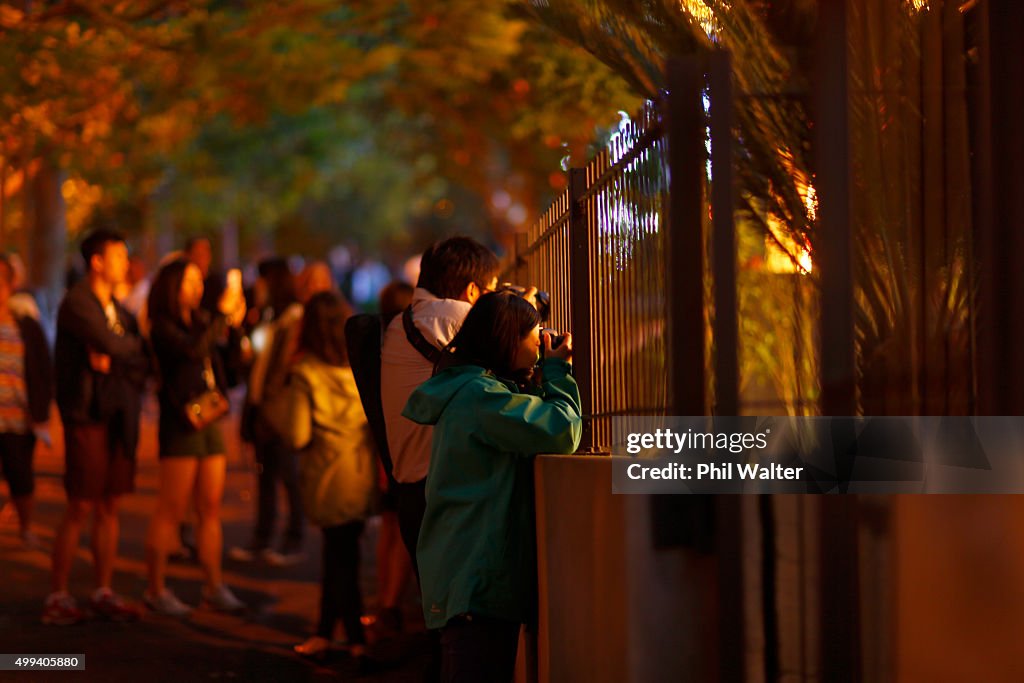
pixel 600 251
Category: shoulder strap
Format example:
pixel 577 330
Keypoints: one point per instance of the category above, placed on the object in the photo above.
pixel 418 341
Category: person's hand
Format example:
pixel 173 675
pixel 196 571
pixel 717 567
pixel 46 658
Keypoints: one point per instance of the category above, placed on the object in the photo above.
pixel 530 295
pixel 238 317
pixel 245 349
pixel 564 350
pixel 232 305
pixel 99 362
pixel 228 301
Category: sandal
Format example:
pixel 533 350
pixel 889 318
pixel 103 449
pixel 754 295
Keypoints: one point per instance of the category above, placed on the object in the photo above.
pixel 316 648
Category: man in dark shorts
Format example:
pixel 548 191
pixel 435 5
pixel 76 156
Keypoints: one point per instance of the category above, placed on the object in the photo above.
pixel 101 367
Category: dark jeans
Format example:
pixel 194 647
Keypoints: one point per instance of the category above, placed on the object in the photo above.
pixel 478 649
pixel 277 463
pixel 339 595
pixel 412 503
pixel 16 463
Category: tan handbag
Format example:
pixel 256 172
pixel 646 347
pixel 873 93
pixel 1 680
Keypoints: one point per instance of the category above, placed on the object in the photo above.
pixel 209 406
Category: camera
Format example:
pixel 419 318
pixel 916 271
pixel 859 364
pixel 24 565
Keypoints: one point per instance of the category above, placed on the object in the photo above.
pixel 543 298
pixel 543 310
pixel 556 339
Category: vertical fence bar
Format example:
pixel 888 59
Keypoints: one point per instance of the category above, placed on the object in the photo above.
pixel 728 509
pixel 838 580
pixel 518 248
pixel 685 244
pixel 1001 283
pixel 579 269
pixel 833 163
pixel 724 236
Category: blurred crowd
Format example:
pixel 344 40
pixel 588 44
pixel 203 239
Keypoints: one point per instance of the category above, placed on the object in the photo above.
pixel 424 413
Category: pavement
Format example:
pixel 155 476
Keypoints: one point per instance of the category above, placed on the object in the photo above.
pixel 207 646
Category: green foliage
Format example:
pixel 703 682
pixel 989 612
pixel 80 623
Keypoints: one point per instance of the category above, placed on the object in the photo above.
pixel 261 113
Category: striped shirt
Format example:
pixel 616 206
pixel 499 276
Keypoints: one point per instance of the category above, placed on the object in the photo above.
pixel 14 417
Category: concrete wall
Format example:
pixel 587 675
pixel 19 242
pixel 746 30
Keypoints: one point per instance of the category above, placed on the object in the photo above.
pixel 612 607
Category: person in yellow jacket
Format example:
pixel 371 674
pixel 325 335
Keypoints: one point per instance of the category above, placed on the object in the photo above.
pixel 320 416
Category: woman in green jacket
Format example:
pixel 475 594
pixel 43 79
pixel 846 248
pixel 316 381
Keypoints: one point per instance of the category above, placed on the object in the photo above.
pixel 476 548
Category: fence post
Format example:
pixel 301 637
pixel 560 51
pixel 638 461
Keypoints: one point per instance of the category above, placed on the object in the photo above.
pixel 723 264
pixel 838 572
pixel 579 280
pixel 684 245
pixel 729 531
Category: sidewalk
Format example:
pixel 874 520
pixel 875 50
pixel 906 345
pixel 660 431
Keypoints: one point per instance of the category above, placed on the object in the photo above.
pixel 208 646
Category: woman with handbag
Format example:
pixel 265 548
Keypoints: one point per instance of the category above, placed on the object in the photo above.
pixel 320 415
pixel 192 396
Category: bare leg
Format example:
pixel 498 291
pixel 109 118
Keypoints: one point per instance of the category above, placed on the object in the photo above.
pixel 23 504
pixel 177 477
pixel 209 536
pixel 105 531
pixel 66 542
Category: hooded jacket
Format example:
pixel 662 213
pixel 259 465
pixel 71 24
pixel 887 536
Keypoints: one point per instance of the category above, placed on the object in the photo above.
pixel 476 548
pixel 319 415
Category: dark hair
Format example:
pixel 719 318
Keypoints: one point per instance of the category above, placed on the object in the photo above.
pixel 491 334
pixel 214 286
pixel 165 295
pixel 323 327
pixel 280 283
pixel 8 269
pixel 96 241
pixel 394 299
pixel 448 267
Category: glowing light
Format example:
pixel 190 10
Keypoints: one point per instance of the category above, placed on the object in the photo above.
pixel 624 121
pixel 703 15
pixel 517 214
pixel 259 339
pixel 784 252
pixel 810 196
pixel 918 5
pixel 501 200
pixel 806 264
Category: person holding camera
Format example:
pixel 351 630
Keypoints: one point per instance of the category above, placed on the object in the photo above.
pixel 192 397
pixel 476 549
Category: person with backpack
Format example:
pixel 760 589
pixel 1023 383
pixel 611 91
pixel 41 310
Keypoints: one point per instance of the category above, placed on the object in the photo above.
pixel 454 274
pixel 363 336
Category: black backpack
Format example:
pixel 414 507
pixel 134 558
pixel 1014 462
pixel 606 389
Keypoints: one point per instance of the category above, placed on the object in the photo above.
pixel 364 336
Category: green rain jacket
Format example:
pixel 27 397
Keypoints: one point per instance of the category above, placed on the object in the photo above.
pixel 476 547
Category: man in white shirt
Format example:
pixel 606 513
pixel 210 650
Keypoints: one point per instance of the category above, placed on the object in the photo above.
pixel 453 275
